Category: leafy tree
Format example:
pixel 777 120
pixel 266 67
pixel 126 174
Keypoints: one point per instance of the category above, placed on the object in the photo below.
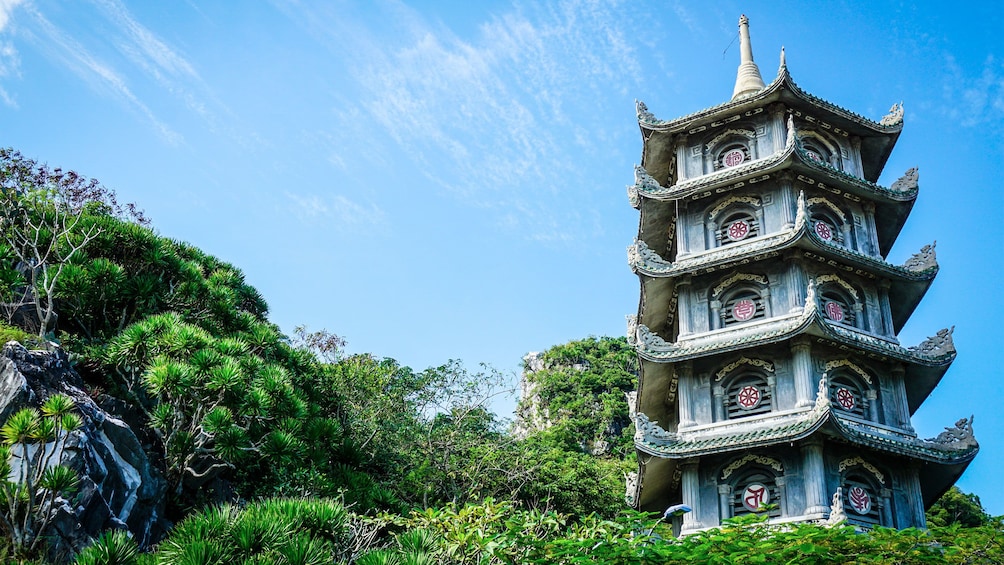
pixel 957 507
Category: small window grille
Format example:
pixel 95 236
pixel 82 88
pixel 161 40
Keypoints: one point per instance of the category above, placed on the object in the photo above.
pixel 748 395
pixel 731 156
pixel 847 396
pixel 837 307
pixel 753 491
pixel 861 503
pixel 743 307
pixel 737 227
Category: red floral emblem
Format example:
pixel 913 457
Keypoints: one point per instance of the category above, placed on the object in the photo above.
pixel 834 311
pixel 733 158
pixel 748 397
pixel 824 231
pixel 743 310
pixel 859 499
pixel 738 229
pixel 755 496
pixel 845 398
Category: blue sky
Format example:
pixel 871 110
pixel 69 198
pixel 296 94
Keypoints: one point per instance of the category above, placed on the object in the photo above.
pixel 436 180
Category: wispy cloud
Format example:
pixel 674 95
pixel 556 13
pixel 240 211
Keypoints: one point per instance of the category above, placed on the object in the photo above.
pixel 974 97
pixel 10 62
pixel 342 213
pixel 486 114
pixel 74 56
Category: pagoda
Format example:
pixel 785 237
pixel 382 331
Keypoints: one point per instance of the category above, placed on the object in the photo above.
pixel 771 378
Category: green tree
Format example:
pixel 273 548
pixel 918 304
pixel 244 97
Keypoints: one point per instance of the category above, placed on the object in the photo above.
pixel 957 507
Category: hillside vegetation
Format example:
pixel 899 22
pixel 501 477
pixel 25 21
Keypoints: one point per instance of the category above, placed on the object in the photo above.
pixel 284 449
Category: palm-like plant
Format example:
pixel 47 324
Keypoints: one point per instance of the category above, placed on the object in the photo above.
pixel 31 475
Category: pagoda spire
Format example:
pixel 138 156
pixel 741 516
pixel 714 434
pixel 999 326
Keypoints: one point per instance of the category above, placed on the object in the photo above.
pixel 748 79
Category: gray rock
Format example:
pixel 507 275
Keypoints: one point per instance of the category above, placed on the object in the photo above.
pixel 119 488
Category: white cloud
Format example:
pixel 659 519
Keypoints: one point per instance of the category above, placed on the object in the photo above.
pixel 6 8
pixel 487 115
pixel 345 214
pixel 974 97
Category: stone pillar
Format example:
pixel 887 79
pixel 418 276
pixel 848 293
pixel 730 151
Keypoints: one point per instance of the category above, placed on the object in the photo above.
pixel 768 310
pixel 871 397
pixel 683 309
pixel 899 390
pixel 814 475
pixel 778 123
pixel 724 502
pixel 859 318
pixel 683 235
pixel 691 483
pixel 782 494
pixel 885 508
pixel 859 169
pixel 886 308
pixel 788 199
pixel 686 392
pixel 801 367
pixel 719 403
pixel 681 158
pixel 915 496
pixel 871 229
pixel 715 323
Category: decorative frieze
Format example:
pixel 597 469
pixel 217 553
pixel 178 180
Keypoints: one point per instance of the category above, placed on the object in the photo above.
pixel 754 362
pixel 750 458
pixel 837 363
pixel 853 461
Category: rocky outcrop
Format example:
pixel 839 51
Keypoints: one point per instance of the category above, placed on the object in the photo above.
pixel 119 486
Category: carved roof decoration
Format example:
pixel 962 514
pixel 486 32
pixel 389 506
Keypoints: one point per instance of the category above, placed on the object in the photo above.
pixel 760 169
pixel 890 123
pixel 954 445
pixel 922 266
pixel 937 351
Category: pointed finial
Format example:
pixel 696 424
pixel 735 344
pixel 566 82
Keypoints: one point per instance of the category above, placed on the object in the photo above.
pixel 748 79
pixel 784 63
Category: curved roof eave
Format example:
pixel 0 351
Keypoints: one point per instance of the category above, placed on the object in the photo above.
pixel 889 126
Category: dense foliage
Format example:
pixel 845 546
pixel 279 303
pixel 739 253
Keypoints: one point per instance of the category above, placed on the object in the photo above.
pixel 284 449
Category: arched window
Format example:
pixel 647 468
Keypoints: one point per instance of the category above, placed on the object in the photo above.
pixel 752 490
pixel 747 394
pixel 732 154
pixel 862 499
pixel 828 226
pixel 820 148
pixel 737 226
pixel 838 306
pixel 848 394
pixel 742 304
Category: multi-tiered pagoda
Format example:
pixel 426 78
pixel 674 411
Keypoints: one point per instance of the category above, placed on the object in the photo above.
pixel 771 378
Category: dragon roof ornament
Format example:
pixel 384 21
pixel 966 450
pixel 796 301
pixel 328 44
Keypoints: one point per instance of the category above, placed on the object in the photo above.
pixel 641 256
pixel 641 110
pixel 894 117
pixel 923 260
pixel 908 182
pixel 647 430
pixel 958 437
pixel 937 345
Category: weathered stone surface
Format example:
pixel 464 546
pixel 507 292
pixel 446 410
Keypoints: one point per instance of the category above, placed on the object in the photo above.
pixel 119 486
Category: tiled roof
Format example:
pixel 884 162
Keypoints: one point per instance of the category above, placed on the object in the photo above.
pixel 783 80
pixel 758 170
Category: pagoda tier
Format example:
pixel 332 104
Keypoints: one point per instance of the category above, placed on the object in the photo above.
pixel 771 376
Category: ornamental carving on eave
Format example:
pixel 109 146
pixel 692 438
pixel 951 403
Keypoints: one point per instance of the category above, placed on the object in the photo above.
pixel 831 278
pixel 895 115
pixel 826 202
pixel 641 256
pixel 646 429
pixel 643 114
pixel 759 279
pixel 751 200
pixel 959 436
pixel 761 459
pixel 632 329
pixel 937 345
pixel 909 181
pixel 923 260
pixel 852 461
pixel 748 134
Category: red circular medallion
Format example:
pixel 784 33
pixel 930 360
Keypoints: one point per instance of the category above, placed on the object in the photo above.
pixel 738 230
pixel 733 158
pixel 834 311
pixel 748 397
pixel 859 499
pixel 823 230
pixel 845 398
pixel 743 309
pixel 755 495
